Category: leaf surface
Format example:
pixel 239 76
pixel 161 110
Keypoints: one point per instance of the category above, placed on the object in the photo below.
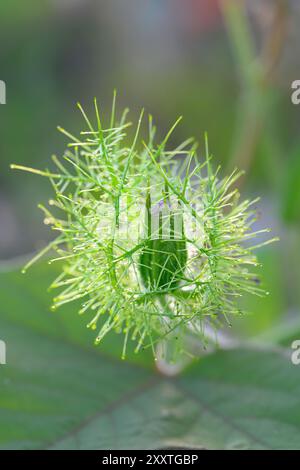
pixel 58 391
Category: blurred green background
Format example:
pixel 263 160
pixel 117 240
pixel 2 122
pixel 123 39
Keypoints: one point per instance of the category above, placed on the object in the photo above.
pixel 226 68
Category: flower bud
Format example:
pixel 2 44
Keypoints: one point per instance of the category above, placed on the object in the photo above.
pixel 164 256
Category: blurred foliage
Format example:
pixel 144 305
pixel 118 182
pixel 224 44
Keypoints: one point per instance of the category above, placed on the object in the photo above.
pixel 20 12
pixel 59 393
pixel 291 190
pixel 262 314
pixel 227 68
pixel 217 77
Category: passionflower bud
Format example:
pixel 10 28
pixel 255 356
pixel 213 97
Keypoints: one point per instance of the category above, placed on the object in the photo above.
pixel 187 267
pixel 164 256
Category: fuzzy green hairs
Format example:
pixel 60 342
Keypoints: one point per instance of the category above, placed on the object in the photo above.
pixel 152 241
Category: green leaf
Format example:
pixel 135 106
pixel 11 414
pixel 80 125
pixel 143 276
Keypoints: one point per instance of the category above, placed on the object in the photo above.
pixel 291 193
pixel 57 391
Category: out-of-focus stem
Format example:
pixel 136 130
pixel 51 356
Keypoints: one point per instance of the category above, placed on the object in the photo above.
pixel 257 72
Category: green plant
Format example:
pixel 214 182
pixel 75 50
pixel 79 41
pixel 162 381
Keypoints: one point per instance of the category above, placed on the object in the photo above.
pixel 137 280
pixel 59 392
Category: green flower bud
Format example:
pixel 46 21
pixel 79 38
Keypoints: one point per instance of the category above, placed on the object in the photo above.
pixel 149 288
pixel 163 259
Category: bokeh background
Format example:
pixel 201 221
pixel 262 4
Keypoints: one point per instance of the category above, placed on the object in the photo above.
pixel 227 67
